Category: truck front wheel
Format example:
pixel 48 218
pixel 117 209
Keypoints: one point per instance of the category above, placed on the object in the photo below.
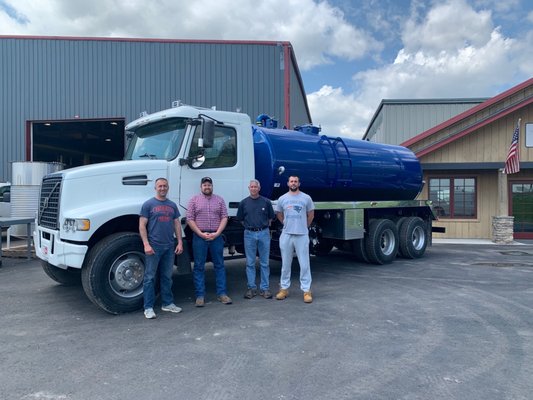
pixel 382 241
pixel 66 277
pixel 413 238
pixel 113 273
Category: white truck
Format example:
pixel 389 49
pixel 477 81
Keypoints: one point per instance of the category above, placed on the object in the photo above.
pixel 87 224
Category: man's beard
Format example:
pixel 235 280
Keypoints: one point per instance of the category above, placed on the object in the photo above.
pixel 293 189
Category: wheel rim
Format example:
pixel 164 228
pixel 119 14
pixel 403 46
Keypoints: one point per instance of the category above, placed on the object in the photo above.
pixel 387 242
pixel 126 275
pixel 418 238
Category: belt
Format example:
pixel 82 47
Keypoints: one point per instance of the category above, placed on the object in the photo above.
pixel 257 229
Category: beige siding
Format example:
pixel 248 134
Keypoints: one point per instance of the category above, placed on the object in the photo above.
pixel 488 144
pixel 503 124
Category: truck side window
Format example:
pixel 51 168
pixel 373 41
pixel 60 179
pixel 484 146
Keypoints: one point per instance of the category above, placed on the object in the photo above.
pixel 224 151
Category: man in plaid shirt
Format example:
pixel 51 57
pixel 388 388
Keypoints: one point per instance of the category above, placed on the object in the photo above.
pixel 207 216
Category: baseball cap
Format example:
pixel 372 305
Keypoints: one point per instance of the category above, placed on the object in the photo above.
pixel 206 179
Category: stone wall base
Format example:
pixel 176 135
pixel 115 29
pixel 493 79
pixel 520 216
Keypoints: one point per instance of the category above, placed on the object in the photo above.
pixel 502 229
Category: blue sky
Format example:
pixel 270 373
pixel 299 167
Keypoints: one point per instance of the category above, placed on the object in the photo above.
pixel 351 54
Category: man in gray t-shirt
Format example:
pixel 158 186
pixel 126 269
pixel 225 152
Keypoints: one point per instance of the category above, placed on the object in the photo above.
pixel 295 210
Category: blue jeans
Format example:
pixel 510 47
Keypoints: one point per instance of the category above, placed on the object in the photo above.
pixel 164 259
pixel 216 249
pixel 257 242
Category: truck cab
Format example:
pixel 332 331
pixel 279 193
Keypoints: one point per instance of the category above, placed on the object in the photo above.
pixel 88 216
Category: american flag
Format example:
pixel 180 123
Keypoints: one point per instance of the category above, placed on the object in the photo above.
pixel 512 163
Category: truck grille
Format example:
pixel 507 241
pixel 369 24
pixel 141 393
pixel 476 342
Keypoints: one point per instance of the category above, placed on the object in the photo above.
pixel 49 202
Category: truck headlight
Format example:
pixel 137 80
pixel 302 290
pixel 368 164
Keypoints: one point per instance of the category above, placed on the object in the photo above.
pixel 71 224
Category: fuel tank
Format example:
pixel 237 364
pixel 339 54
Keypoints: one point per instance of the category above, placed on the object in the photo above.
pixel 334 169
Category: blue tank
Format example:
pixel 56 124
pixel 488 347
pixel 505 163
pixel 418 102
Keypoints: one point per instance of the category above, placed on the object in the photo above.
pixel 334 169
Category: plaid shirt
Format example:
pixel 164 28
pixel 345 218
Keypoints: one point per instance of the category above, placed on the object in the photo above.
pixel 207 211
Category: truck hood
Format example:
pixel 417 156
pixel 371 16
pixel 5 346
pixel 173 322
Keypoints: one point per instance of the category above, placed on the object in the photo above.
pixel 122 168
pixel 102 192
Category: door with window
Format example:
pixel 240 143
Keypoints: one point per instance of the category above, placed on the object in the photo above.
pixel 521 207
pixel 221 163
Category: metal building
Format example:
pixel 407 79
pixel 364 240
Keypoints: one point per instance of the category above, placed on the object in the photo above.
pixel 398 120
pixel 67 99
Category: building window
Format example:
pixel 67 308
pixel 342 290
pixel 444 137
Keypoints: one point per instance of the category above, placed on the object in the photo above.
pixel 453 197
pixel 529 135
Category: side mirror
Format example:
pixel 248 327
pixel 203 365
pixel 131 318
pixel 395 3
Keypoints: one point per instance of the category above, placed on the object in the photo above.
pixel 197 162
pixel 208 133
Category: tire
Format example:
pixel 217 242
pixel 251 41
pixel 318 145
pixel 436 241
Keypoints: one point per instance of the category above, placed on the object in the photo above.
pixel 382 242
pixel 66 277
pixel 320 248
pixel 359 250
pixel 318 245
pixel 113 273
pixel 413 238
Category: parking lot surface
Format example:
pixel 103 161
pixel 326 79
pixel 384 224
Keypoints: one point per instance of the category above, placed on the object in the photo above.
pixel 456 324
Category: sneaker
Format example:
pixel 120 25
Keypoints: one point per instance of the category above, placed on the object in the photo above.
pixel 199 302
pixel 172 308
pixel 224 299
pixel 149 313
pixel 308 298
pixel 267 294
pixel 250 293
pixel 282 294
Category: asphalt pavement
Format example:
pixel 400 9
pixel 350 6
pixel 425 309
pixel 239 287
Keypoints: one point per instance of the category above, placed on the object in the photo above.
pixel 456 324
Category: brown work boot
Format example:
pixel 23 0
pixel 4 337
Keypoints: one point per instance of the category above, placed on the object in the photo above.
pixel 282 294
pixel 224 299
pixel 308 298
pixel 200 302
pixel 250 293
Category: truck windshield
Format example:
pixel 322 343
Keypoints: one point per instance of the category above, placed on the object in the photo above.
pixel 159 141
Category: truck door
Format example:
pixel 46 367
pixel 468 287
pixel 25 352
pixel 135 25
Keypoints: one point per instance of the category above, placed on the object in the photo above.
pixel 222 164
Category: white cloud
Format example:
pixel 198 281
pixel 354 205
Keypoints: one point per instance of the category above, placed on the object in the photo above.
pixel 530 16
pixel 453 52
pixel 440 62
pixel 446 27
pixel 338 113
pixel 318 31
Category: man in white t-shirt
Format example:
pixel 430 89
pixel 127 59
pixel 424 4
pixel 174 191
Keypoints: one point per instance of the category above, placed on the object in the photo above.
pixel 295 210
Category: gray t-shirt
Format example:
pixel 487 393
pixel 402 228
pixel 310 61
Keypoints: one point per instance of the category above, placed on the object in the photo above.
pixel 295 208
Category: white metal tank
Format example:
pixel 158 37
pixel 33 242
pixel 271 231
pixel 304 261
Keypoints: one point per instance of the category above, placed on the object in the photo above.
pixel 25 189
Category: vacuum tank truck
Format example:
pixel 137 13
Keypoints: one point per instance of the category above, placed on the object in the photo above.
pixel 364 194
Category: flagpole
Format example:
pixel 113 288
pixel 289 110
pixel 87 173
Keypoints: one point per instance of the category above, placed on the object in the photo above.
pixel 503 223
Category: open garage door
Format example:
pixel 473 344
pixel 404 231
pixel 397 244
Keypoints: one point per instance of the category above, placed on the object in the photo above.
pixel 78 142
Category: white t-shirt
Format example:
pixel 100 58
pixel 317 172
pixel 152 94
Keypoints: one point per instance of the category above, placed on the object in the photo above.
pixel 295 208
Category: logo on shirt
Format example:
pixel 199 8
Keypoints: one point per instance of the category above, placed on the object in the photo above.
pixel 296 208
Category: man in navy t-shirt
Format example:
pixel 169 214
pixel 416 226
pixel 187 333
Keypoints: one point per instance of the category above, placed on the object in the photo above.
pixel 158 224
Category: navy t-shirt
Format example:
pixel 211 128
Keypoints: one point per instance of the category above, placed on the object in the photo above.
pixel 161 216
pixel 255 213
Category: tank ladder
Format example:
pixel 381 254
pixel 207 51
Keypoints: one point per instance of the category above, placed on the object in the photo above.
pixel 338 161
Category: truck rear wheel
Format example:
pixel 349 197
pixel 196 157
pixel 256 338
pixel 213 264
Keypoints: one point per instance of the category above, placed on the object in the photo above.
pixel 359 250
pixel 382 241
pixel 413 238
pixel 113 273
pixel 66 277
